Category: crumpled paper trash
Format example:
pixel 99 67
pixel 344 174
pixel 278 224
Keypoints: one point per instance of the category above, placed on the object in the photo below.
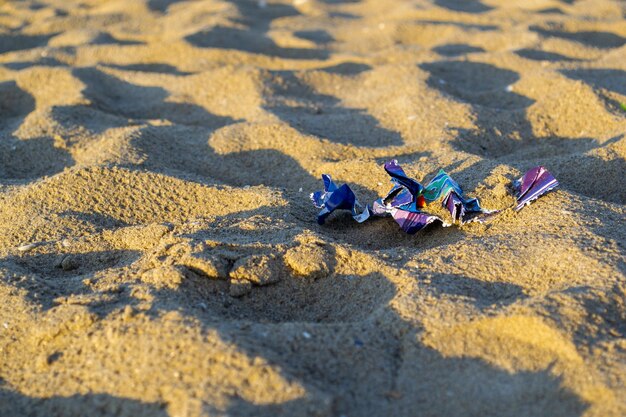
pixel 407 198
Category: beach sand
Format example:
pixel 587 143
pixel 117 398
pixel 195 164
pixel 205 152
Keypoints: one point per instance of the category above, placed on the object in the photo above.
pixel 159 255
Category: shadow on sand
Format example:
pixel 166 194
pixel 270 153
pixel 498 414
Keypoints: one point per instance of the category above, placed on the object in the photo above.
pixel 349 322
pixel 252 34
pixel 25 159
pixel 504 133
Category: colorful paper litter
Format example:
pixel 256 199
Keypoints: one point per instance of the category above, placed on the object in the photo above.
pixel 408 197
pixel 414 221
pixel 533 184
pixel 337 198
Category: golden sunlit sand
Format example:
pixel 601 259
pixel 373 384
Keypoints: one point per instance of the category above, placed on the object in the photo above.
pixel 159 255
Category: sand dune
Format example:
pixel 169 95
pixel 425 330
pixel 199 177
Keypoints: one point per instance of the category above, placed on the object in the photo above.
pixel 159 254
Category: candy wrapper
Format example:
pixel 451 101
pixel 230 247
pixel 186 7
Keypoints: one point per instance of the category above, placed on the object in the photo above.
pixel 533 184
pixel 407 198
pixel 337 198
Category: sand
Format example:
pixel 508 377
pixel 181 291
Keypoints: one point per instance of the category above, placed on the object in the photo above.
pixel 159 255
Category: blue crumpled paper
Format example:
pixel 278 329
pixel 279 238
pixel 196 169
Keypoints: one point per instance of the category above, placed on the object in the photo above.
pixel 338 198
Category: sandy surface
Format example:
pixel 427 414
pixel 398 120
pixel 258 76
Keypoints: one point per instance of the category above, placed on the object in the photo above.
pixel 159 254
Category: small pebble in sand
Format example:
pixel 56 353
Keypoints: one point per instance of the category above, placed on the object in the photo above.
pixel 70 263
pixel 27 247
pixel 258 269
pixel 210 266
pixel 393 395
pixel 309 260
pixel 165 276
pixel 128 313
pixel 239 288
